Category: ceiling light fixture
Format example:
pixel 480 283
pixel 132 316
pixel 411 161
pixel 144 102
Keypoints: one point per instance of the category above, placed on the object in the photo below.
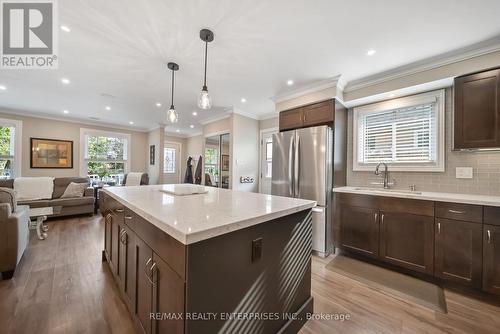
pixel 195 113
pixel 158 104
pixel 2 87
pixel 66 111
pixel 289 82
pixel 204 101
pixel 191 126
pixel 172 115
pixel 177 130
pixel 392 95
pixel 370 52
pixel 108 108
pixel 65 28
pixel 65 81
pixel 243 100
pixel 131 123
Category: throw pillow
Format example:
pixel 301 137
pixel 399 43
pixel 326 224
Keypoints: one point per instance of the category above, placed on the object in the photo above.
pixel 8 196
pixel 74 190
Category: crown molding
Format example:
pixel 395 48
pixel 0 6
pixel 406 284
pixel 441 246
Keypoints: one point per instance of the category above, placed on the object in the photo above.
pixel 268 116
pixel 216 118
pixel 244 113
pixel 73 120
pixel 335 81
pixel 451 57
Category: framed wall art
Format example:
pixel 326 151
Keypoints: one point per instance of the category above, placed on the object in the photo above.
pixel 51 153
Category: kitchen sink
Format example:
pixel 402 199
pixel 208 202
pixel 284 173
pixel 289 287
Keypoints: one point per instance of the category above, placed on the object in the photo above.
pixel 388 191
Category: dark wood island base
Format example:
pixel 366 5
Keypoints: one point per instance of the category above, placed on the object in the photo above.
pixel 253 280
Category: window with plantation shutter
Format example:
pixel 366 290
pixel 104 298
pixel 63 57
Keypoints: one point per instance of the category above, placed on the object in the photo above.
pixel 406 133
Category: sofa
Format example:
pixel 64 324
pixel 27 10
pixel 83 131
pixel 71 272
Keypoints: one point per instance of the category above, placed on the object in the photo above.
pixel 14 233
pixel 69 206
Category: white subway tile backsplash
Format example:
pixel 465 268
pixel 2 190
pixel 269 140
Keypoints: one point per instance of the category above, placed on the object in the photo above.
pixel 486 168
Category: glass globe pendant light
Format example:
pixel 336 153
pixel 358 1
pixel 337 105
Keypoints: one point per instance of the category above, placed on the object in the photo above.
pixel 204 100
pixel 172 115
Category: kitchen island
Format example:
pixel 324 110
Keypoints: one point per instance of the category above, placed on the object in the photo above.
pixel 217 262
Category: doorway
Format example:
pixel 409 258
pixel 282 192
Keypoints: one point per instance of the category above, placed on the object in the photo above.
pixel 266 160
pixel 217 161
pixel 172 163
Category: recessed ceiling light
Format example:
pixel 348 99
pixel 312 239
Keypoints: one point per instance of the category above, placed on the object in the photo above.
pixel 65 28
pixel 108 108
pixel 243 100
pixel 289 82
pixel 65 81
pixel 66 111
pixel 370 52
pixel 177 130
pixel 191 126
pixel 158 104
pixel 195 113
pixel 2 87
pixel 131 123
pixel 392 95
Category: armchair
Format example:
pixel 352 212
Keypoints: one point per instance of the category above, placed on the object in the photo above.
pixel 14 232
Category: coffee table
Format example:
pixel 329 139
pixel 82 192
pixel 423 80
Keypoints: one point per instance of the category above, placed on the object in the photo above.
pixel 40 215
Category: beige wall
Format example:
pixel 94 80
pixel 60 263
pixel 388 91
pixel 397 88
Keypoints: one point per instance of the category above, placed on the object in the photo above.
pixel 269 123
pixel 486 167
pixel 218 127
pixel 52 129
pixel 154 170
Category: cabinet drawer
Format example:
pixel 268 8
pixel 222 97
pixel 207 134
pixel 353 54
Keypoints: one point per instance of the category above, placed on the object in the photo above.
pixel 492 215
pixel 464 212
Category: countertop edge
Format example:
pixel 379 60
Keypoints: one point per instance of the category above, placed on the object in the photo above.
pixel 188 239
pixel 487 200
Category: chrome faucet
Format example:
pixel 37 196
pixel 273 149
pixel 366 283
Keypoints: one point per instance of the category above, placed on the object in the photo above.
pixel 386 174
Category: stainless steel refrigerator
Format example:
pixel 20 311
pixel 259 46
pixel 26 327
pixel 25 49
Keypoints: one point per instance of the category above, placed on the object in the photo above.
pixel 302 168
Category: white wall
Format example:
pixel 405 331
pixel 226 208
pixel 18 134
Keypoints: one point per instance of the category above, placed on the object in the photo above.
pixel 245 148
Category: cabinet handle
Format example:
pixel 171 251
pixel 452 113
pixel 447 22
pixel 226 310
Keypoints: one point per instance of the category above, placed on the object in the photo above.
pixel 439 228
pixel 376 216
pixel 381 218
pixel 488 236
pixel 119 210
pixel 123 237
pixel 146 267
pixel 128 217
pixel 456 211
pixel 108 218
pixel 150 277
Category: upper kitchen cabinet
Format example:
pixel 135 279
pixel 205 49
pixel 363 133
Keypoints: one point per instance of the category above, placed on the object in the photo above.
pixel 477 110
pixel 321 113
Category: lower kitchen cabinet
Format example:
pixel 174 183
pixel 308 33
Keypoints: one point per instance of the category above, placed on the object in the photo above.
pixel 144 291
pixel 491 259
pixel 407 240
pixel 359 231
pixel 127 266
pixel 168 297
pixel 458 251
pixel 107 236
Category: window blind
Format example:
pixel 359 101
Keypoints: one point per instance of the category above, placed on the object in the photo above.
pixel 404 135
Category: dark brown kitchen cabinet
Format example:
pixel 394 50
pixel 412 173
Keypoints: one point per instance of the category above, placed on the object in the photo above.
pixel 458 251
pixel 143 286
pixel 477 110
pixel 168 297
pixel 321 113
pixel 407 240
pixel 107 236
pixel 127 265
pixel 491 259
pixel 359 230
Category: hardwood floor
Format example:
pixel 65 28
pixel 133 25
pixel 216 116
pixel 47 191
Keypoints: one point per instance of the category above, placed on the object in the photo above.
pixel 61 286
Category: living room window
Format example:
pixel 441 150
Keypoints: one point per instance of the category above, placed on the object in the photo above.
pixel 10 148
pixel 406 133
pixel 106 155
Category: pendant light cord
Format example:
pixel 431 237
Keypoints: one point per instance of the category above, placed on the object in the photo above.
pixel 205 78
pixel 173 82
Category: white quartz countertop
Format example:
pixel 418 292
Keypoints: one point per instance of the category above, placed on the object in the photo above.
pixel 193 218
pixel 424 195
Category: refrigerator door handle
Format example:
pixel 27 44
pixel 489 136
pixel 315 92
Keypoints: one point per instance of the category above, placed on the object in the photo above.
pixel 296 167
pixel 290 168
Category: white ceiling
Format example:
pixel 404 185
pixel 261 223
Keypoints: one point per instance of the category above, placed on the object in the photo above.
pixel 121 47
